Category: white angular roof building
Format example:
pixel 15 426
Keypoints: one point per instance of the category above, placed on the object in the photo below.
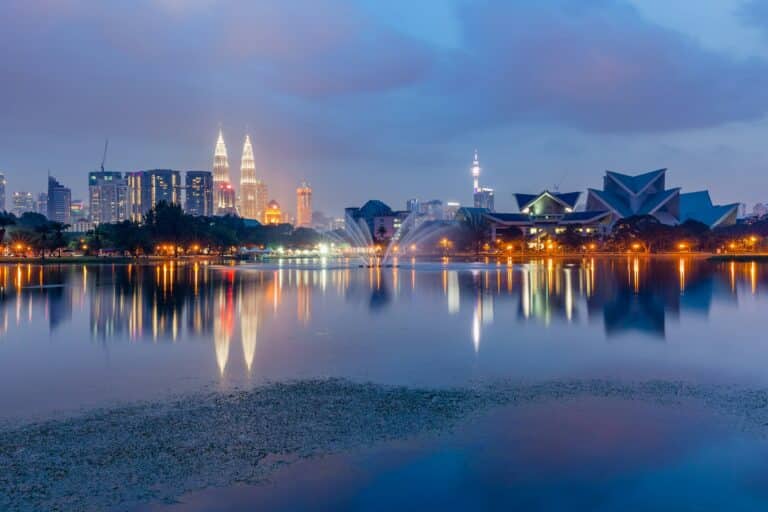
pixel 624 195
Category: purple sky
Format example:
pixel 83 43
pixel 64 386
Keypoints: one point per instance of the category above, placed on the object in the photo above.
pixel 388 99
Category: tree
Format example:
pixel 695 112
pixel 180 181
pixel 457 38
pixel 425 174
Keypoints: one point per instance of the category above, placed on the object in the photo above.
pixel 6 219
pixel 167 223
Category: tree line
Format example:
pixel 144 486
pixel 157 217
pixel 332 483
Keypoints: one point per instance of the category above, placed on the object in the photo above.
pixel 165 229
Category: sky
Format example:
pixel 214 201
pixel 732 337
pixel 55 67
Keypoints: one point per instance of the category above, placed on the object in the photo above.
pixel 369 99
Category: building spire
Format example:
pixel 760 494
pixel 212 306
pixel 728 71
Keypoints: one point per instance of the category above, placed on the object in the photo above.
pixel 476 172
pixel 247 163
pixel 220 161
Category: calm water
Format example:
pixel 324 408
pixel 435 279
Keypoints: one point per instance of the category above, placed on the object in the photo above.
pixel 74 337
pixel 92 335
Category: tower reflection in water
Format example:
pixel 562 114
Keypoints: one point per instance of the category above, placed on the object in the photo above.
pixel 193 302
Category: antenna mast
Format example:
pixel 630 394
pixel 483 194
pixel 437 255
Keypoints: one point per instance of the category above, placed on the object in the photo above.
pixel 104 157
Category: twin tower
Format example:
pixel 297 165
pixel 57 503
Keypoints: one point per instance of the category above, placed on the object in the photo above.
pixel 253 191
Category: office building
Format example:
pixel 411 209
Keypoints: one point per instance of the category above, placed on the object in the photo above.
pixel 198 200
pixel 23 202
pixel 2 192
pixel 107 197
pixel 483 198
pixel 148 188
pixel 262 200
pixel 41 206
pixel 304 206
pixel 59 201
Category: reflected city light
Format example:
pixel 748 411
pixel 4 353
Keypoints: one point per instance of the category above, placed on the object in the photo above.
pixel 179 302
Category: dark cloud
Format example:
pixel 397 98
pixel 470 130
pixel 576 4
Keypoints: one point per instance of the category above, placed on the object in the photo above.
pixel 598 65
pixel 326 84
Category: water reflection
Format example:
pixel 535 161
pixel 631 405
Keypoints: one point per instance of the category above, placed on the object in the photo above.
pixel 171 302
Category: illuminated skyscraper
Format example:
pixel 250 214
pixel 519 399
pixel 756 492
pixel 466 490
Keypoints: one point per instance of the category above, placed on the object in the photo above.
pixel 23 202
pixel 304 206
pixel 107 197
pixel 147 188
pixel 249 207
pixel 223 193
pixel 476 173
pixel 199 193
pixel 261 200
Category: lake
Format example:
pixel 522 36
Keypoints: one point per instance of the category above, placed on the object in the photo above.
pixel 79 338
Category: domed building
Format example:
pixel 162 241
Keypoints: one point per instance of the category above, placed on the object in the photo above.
pixel 273 215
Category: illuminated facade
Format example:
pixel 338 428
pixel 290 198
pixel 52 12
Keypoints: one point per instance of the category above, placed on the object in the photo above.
pixel 248 183
pixel 273 215
pixel 304 206
pixel 2 192
pixel 107 197
pixel 23 202
pixel 198 200
pixel 262 199
pixel 148 188
pixel 475 173
pixel 223 192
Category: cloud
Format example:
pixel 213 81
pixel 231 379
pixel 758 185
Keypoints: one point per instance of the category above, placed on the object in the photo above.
pixel 150 65
pixel 600 66
pixel 754 13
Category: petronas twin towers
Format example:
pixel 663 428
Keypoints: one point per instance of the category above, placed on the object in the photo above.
pixel 253 191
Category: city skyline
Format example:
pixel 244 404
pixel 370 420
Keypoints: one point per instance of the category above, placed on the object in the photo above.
pixel 608 87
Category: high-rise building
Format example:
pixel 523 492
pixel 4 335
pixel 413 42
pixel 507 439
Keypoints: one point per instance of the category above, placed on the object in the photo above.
pixel 248 183
pixel 223 192
pixel 432 210
pixel 483 198
pixel 262 200
pixel 412 205
pixel 304 206
pixel 136 208
pixel 107 197
pixel 59 201
pixel 2 192
pixel 23 202
pixel 450 210
pixel 77 210
pixel 148 188
pixel 42 204
pixel 199 193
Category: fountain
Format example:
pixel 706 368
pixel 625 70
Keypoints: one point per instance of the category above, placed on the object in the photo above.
pixel 358 236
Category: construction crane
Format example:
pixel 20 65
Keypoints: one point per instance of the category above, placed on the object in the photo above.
pixel 104 157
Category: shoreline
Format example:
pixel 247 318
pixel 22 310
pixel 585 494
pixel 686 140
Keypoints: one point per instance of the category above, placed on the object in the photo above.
pixel 158 451
pixel 79 260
